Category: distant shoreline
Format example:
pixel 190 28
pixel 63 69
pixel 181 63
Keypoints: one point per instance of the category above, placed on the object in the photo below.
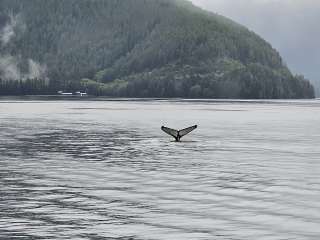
pixel 123 99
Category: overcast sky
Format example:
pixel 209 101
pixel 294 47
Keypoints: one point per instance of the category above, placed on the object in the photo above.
pixel 291 26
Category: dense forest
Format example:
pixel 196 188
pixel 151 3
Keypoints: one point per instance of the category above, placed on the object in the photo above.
pixel 136 48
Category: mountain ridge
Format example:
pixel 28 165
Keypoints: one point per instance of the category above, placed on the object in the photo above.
pixel 142 49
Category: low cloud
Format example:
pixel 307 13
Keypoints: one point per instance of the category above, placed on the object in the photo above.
pixel 10 69
pixel 36 70
pixel 10 66
pixel 8 31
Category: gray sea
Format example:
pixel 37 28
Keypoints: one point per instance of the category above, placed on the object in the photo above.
pixel 103 169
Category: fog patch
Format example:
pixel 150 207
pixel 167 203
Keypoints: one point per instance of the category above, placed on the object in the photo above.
pixel 36 70
pixel 8 31
pixel 10 69
pixel 15 67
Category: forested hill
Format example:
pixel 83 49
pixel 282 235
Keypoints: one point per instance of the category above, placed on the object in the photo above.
pixel 136 48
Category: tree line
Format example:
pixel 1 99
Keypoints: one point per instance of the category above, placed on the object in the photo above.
pixel 143 48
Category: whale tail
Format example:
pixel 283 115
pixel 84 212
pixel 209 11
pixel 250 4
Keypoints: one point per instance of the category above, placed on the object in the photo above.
pixel 178 134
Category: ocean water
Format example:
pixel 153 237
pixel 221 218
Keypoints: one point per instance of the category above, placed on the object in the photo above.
pixel 104 170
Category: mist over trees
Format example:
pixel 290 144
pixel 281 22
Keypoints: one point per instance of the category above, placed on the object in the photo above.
pixel 139 48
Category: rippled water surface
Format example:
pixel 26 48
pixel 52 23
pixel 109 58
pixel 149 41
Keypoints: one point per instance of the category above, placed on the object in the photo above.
pixel 104 170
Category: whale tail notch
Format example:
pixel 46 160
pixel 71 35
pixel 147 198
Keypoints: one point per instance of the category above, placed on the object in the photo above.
pixel 178 134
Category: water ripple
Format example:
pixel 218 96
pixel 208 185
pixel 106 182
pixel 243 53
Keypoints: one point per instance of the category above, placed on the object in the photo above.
pixel 80 176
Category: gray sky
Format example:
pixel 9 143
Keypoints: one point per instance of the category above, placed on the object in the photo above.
pixel 291 26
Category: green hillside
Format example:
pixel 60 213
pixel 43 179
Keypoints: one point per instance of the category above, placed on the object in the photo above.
pixel 136 48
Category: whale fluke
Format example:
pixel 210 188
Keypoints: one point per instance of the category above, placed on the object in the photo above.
pixel 178 134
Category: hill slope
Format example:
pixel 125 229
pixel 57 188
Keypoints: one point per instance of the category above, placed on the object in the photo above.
pixel 138 48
